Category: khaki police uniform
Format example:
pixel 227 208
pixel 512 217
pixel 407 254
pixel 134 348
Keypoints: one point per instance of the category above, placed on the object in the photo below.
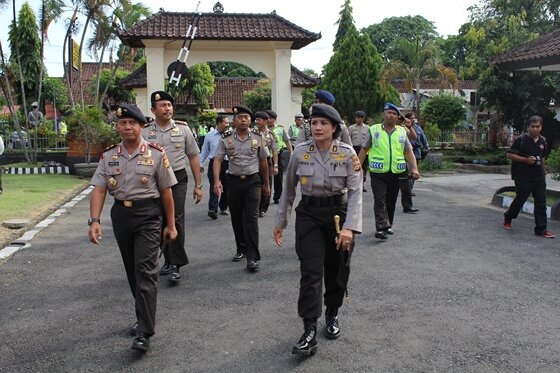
pixel 271 143
pixel 244 187
pixel 331 184
pixel 179 143
pixel 135 181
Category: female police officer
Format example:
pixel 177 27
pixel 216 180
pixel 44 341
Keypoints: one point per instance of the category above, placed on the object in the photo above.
pixel 330 177
pixel 138 175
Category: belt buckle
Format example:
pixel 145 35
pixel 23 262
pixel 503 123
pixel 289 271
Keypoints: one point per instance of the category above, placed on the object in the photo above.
pixel 242 177
pixel 127 203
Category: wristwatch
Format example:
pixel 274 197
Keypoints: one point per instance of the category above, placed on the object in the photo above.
pixel 198 186
pixel 93 220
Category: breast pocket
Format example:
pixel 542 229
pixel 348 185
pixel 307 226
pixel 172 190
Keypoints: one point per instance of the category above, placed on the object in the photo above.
pixel 177 140
pixel 114 177
pixel 305 173
pixel 145 175
pixel 338 178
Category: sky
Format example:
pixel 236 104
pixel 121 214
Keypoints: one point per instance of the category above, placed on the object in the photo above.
pixel 313 15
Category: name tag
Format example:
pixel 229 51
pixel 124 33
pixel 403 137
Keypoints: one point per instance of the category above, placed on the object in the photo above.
pixel 113 163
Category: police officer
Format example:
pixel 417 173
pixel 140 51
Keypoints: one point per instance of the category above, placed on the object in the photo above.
pixel 283 145
pixel 388 150
pixel 179 143
pixel 295 129
pixel 138 175
pixel 358 133
pixel 247 165
pixel 330 178
pixel 271 143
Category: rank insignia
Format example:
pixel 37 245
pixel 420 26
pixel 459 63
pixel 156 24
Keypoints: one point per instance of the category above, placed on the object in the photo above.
pixel 175 129
pixel 112 182
pixel 311 148
pixel 338 156
pixel 119 112
pixel 165 161
pixel 306 156
pixel 304 180
pixel 335 149
pixel 356 163
pixel 144 180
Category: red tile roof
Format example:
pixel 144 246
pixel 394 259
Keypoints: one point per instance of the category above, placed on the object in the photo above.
pixel 435 85
pixel 218 26
pixel 542 51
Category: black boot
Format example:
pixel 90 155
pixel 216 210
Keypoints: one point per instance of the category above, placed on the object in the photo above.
pixel 332 330
pixel 307 344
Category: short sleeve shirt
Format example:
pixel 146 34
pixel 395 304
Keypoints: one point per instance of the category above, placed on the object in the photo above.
pixel 526 146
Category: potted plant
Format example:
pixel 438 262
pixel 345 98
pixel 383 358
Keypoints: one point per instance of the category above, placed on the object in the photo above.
pixel 88 134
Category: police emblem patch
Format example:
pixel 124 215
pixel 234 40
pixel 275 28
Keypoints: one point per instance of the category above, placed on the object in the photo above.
pixel 119 112
pixel 144 180
pixel 304 180
pixel 112 182
pixel 306 156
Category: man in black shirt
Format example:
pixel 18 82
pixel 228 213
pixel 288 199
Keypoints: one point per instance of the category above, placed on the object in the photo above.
pixel 528 170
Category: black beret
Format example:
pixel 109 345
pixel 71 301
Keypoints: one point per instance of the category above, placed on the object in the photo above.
pixel 130 111
pixel 242 109
pixel 272 114
pixel 326 111
pixel 161 96
pixel 261 114
pixel 360 114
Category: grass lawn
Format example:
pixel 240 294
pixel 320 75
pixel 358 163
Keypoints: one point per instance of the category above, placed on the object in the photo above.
pixel 34 196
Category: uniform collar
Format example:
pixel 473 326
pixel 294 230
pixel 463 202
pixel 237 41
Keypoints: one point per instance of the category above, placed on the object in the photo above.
pixel 170 126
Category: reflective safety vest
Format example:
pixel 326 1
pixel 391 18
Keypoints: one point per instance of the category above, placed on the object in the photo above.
pixel 202 131
pixel 386 153
pixel 295 131
pixel 279 132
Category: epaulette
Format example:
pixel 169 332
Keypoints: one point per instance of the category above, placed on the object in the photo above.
pixel 157 146
pixel 110 147
pixel 344 145
pixel 180 122
pixel 256 131
pixel 226 133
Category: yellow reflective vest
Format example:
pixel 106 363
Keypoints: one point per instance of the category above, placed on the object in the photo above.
pixel 386 153
pixel 279 132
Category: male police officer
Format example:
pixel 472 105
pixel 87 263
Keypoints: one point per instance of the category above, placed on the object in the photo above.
pixel 283 145
pixel 295 129
pixel 247 156
pixel 179 143
pixel 388 150
pixel 271 143
pixel 138 175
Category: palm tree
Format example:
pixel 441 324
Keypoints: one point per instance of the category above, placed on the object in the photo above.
pixel 415 63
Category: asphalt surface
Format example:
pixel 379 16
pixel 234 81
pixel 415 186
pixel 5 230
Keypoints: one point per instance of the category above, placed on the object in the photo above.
pixel 450 291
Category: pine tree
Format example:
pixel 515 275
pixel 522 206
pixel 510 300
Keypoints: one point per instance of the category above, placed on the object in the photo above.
pixel 345 23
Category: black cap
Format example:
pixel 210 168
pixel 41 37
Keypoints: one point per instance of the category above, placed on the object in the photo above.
pixel 242 109
pixel 261 114
pixel 130 111
pixel 360 114
pixel 326 111
pixel 161 96
pixel 272 114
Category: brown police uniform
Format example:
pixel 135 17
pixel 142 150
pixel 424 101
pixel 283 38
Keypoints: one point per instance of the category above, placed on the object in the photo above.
pixel 271 143
pixel 244 187
pixel 331 184
pixel 135 181
pixel 179 143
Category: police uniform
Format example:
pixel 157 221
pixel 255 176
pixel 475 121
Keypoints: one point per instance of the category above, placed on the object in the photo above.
pixel 271 144
pixel 179 143
pixel 244 185
pixel 331 184
pixel 135 181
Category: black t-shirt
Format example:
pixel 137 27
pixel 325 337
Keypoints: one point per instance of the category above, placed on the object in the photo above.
pixel 526 146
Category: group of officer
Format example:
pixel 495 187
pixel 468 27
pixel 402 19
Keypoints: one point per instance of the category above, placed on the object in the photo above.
pixel 146 174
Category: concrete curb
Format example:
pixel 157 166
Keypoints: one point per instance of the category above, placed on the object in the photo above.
pixel 552 212
pixel 23 241
pixel 65 170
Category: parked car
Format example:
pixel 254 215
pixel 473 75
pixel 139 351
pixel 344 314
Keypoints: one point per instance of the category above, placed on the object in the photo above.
pixel 15 142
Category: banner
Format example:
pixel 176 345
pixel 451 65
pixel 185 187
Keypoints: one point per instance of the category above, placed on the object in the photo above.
pixel 75 55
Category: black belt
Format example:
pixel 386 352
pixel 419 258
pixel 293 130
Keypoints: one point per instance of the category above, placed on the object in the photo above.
pixel 137 203
pixel 242 177
pixel 324 201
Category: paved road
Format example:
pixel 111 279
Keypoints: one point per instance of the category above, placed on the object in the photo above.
pixel 451 291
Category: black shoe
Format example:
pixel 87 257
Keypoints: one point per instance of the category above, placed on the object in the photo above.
pixel 134 329
pixel 213 215
pixel 262 214
pixel 411 211
pixel 388 231
pixel 141 342
pixel 364 190
pixel 252 266
pixel 381 235
pixel 413 194
pixel 174 276
pixel 238 257
pixel 224 212
pixel 165 270
pixel 332 330
pixel 276 201
pixel 307 344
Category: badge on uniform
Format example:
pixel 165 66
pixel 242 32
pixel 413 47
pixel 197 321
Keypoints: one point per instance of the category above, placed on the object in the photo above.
pixel 152 135
pixel 254 144
pixel 144 180
pixel 338 156
pixel 306 156
pixel 177 146
pixel 356 163
pixel 113 164
pixel 304 180
pixel 112 182
pixel 115 157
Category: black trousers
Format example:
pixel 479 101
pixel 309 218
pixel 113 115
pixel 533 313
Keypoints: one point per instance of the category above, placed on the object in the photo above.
pixel 385 187
pixel 278 179
pixel 213 201
pixel 244 196
pixel 406 190
pixel 265 201
pixel 138 234
pixel 318 257
pixel 174 252
pixel 523 189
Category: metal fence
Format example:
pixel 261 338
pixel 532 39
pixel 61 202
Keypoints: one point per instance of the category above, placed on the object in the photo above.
pixel 43 144
pixel 478 137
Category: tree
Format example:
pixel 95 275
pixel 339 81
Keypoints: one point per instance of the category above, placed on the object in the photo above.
pixel 353 73
pixel 260 97
pixel 232 69
pixel 108 83
pixel 418 62
pixel 199 84
pixel 383 35
pixel 57 93
pixel 345 22
pixel 444 110
pixel 308 94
